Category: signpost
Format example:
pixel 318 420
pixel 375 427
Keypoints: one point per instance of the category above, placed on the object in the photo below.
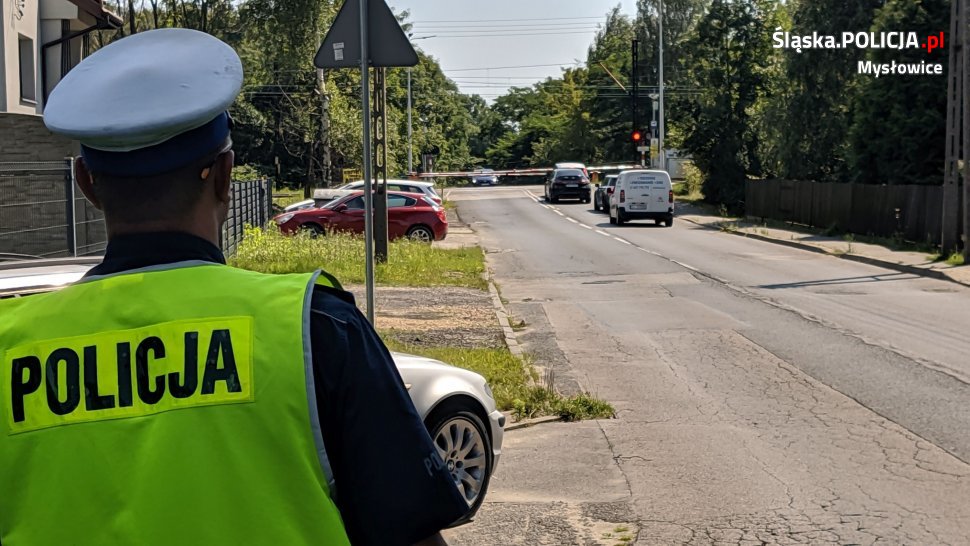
pixel 365 33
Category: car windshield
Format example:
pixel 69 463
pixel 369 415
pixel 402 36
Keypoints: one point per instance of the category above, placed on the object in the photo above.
pixel 332 204
pixel 570 174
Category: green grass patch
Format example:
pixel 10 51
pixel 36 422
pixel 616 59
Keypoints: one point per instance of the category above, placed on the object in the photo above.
pixel 516 386
pixel 955 259
pixel 409 263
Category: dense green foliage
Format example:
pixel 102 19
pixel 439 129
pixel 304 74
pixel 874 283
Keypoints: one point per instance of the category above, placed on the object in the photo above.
pixel 742 107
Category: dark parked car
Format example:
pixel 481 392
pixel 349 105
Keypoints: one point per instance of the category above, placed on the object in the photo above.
pixel 569 184
pixel 485 177
pixel 601 197
pixel 412 215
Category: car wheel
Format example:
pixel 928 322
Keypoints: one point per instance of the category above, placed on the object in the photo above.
pixel 421 233
pixel 466 449
pixel 619 218
pixel 554 200
pixel 314 230
pixel 669 222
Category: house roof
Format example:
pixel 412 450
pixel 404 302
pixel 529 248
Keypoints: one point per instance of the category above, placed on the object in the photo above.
pixel 96 9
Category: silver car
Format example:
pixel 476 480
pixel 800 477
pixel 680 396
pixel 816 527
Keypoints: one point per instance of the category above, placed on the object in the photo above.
pixel 411 186
pixel 455 404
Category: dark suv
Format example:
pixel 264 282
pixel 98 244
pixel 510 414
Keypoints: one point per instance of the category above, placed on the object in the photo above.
pixel 569 184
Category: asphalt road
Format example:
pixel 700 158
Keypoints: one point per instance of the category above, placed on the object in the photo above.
pixel 764 394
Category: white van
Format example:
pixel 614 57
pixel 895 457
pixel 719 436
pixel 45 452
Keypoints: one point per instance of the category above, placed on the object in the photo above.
pixel 642 195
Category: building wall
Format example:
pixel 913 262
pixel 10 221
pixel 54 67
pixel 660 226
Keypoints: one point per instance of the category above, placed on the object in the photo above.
pixel 4 16
pixel 27 26
pixel 24 137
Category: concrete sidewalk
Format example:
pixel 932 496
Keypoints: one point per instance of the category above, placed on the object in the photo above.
pixel 908 262
pixel 459 234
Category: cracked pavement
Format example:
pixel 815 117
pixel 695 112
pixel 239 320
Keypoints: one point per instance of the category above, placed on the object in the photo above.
pixel 741 418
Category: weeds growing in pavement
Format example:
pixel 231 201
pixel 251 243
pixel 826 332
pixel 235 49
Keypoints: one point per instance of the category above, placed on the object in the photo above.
pixel 409 262
pixel 955 259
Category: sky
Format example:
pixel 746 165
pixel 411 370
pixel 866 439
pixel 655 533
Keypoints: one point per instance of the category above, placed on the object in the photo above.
pixel 478 42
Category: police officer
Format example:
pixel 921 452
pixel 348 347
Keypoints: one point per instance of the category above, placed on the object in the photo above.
pixel 170 399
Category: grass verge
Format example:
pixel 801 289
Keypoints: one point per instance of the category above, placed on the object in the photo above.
pixel 517 388
pixel 409 263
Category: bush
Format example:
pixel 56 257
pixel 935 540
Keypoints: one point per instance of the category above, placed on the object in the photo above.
pixel 693 179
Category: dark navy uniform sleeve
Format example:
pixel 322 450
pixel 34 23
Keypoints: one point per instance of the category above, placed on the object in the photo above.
pixel 387 491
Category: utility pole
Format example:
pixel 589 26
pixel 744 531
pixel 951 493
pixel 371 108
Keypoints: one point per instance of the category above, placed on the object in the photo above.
pixel 634 90
pixel 380 164
pixel 965 32
pixel 410 147
pixel 324 126
pixel 660 141
pixel 950 236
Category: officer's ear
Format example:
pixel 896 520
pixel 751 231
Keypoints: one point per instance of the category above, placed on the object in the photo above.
pixel 86 182
pixel 221 175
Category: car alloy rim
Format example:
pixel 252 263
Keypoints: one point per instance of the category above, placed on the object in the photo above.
pixel 462 449
pixel 421 234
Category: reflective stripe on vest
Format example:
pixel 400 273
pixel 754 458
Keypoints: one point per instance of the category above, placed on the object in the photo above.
pixel 172 405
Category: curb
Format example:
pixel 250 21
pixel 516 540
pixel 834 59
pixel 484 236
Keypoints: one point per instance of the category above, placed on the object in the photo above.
pixel 525 423
pixel 902 268
pixel 503 319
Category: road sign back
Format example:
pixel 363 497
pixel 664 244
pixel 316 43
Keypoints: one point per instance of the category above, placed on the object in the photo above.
pixel 388 46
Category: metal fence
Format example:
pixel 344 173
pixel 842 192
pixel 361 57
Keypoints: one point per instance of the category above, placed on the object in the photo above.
pixel 911 211
pixel 251 205
pixel 42 214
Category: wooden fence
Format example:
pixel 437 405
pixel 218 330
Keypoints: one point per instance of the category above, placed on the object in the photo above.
pixel 912 211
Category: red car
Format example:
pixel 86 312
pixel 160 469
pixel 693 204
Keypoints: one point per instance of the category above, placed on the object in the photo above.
pixel 410 215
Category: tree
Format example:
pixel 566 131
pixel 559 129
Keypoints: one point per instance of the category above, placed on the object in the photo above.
pixel 610 119
pixel 818 93
pixel 730 54
pixel 899 127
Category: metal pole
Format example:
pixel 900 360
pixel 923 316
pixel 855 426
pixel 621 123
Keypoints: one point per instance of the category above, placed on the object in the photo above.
pixel 965 28
pixel 410 169
pixel 634 90
pixel 950 228
pixel 368 193
pixel 70 209
pixel 660 142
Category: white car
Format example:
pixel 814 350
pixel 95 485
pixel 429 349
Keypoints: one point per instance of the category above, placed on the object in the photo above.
pixel 300 205
pixel 411 186
pixel 642 195
pixel 571 165
pixel 455 404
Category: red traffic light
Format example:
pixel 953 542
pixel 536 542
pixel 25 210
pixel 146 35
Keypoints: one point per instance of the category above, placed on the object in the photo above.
pixel 637 136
